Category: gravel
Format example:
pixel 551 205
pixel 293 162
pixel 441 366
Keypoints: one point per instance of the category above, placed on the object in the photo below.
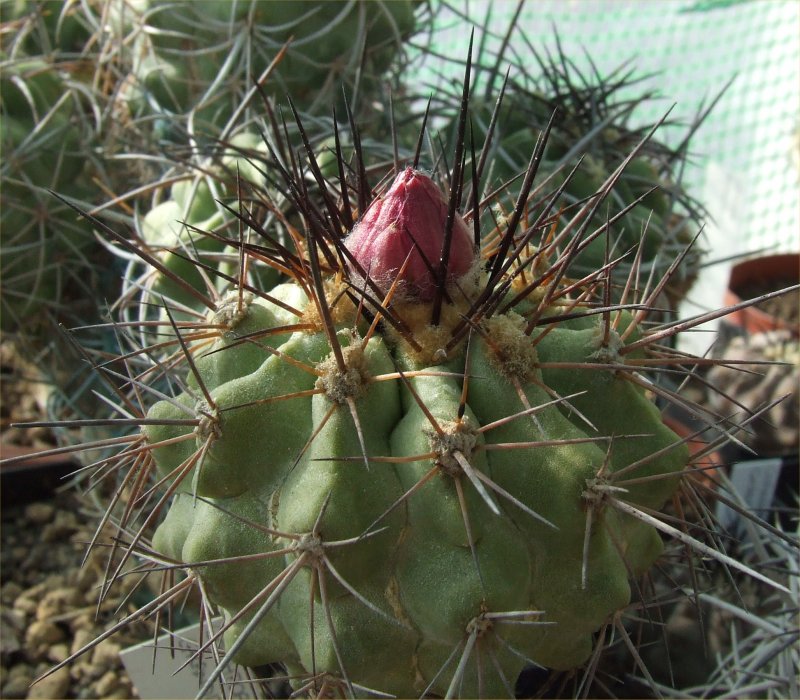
pixel 49 610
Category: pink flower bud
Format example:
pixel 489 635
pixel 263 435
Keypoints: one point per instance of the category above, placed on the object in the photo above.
pixel 409 222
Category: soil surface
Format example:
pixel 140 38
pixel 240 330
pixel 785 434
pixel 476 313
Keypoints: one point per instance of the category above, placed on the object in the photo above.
pixel 48 594
pixel 49 606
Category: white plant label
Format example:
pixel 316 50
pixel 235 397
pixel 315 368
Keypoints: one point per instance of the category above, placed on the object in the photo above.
pixel 152 669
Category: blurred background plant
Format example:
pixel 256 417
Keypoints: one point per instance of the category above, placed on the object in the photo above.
pixel 55 271
pixel 592 132
pixel 194 66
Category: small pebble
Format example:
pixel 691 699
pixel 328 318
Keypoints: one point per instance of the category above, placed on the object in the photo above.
pixel 84 621
pixel 58 653
pixel 57 602
pixel 42 634
pixel 82 538
pixel 10 640
pixel 85 579
pixel 25 605
pixel 92 672
pixel 106 654
pixel 83 672
pixel 10 592
pixel 19 678
pixel 81 639
pixel 41 668
pixel 16 687
pixel 13 619
pixel 56 685
pixel 107 684
pixel 39 513
pixel 36 591
pixel 22 671
pixel 58 531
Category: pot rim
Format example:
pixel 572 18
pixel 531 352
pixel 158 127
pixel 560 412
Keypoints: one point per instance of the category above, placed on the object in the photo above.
pixel 751 319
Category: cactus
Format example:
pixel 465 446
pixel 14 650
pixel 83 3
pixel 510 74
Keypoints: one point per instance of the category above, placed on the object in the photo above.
pixel 424 458
pixel 198 61
pixel 55 136
pixel 201 200
pixel 51 259
pixel 439 472
pixel 650 210
pixel 44 28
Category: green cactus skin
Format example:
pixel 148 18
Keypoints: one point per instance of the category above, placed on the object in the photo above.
pixel 381 492
pixel 402 501
pixel 595 115
pixel 200 202
pixel 201 58
pixel 46 249
pixel 418 482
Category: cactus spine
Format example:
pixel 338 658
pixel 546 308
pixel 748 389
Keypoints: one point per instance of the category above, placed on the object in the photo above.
pixel 426 457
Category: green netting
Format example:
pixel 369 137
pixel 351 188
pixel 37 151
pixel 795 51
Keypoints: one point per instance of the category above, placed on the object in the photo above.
pixel 746 154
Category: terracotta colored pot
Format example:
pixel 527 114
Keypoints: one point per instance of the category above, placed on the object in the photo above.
pixel 772 272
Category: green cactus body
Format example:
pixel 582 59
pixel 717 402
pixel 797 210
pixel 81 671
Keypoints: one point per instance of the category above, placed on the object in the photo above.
pixel 660 227
pixel 61 28
pixel 202 57
pixel 401 502
pixel 48 251
pixel 174 227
